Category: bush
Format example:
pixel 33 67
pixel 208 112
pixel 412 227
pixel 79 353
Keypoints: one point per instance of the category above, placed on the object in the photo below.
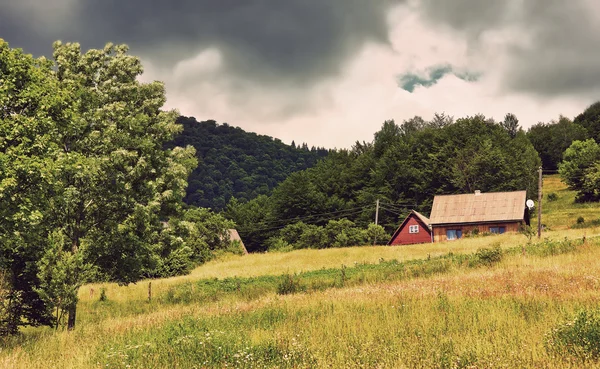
pixel 489 257
pixel 103 296
pixel 552 196
pixel 580 220
pixel 578 338
pixel 288 285
pixel 278 244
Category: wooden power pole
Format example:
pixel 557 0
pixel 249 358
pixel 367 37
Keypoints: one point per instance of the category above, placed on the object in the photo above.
pixel 376 220
pixel 540 202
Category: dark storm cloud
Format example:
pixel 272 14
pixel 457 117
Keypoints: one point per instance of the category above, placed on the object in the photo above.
pixel 556 51
pixel 266 39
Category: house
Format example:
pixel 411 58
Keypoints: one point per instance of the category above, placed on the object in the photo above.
pixel 414 229
pixel 452 216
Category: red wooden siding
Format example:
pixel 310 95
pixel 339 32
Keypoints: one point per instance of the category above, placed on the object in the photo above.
pixel 403 237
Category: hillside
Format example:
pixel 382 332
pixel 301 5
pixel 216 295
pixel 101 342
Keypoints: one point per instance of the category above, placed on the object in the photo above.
pixel 446 305
pixel 235 163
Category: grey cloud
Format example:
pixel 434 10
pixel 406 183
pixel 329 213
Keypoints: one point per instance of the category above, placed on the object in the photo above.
pixel 561 54
pixel 266 40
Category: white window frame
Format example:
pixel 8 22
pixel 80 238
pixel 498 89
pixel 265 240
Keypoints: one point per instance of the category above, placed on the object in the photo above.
pixel 413 228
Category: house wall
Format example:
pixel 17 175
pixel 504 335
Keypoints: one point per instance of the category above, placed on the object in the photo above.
pixel 439 232
pixel 405 238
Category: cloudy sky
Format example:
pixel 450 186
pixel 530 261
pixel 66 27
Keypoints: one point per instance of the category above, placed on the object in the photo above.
pixel 329 72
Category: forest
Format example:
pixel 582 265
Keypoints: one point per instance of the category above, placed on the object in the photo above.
pixel 235 163
pixel 405 166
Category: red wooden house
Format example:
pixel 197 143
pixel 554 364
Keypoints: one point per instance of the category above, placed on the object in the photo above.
pixel 414 229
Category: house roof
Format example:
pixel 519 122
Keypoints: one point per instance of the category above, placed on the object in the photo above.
pixel 478 207
pixel 423 218
pixel 235 236
pixel 419 216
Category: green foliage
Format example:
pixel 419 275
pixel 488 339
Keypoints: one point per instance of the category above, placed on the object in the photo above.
pixel 552 196
pixel 190 239
pixel 489 256
pixel 81 154
pixel 31 104
pixel 577 338
pixel 212 343
pixel 237 164
pixel 552 139
pixel 289 284
pixel 590 120
pixel 405 166
pixel 377 233
pixel 580 220
pixel 580 169
pixel 103 297
pixel 528 231
pixel 61 273
pixel 586 224
pixel 510 124
pixel 336 233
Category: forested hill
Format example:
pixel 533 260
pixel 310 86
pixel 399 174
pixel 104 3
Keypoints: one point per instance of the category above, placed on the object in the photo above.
pixel 236 163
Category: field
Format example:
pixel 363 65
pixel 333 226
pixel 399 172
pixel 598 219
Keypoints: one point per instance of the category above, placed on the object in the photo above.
pixel 430 306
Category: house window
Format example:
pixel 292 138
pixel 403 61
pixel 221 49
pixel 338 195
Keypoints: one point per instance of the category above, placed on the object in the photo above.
pixel 413 229
pixel 453 234
pixel 498 230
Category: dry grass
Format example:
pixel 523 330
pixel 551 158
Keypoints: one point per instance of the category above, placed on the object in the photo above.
pixel 495 317
pixel 491 317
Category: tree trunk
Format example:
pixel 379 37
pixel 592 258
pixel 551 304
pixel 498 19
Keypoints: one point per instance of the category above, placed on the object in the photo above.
pixel 71 318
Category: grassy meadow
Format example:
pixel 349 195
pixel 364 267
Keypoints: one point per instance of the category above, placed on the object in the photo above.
pixel 442 305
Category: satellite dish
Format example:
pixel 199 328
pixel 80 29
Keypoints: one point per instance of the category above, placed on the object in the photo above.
pixel 529 204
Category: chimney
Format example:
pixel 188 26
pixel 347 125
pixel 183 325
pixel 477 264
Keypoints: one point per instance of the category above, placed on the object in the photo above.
pixel 477 192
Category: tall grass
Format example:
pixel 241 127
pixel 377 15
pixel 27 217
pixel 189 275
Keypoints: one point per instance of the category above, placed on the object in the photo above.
pixel 472 303
pixel 496 313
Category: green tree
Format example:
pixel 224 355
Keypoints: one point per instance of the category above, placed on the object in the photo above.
pixel 114 181
pixel 31 105
pixel 590 120
pixel 579 170
pixel 86 164
pixel 510 124
pixel 551 140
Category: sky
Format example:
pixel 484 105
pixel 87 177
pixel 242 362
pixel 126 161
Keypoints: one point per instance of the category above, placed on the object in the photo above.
pixel 330 72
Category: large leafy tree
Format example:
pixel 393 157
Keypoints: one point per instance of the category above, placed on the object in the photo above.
pixel 579 169
pixel 590 120
pixel 113 180
pixel 552 139
pixel 96 182
pixel 31 104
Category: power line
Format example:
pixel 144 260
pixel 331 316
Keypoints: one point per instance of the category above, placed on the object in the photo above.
pixel 311 216
pixel 307 222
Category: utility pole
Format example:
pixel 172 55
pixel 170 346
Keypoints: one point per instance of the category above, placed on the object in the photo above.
pixel 540 202
pixel 376 219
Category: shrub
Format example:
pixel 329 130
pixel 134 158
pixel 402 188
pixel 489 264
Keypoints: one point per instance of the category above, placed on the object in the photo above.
pixel 580 220
pixel 488 256
pixel 578 338
pixel 552 196
pixel 288 285
pixel 278 244
pixel 103 296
